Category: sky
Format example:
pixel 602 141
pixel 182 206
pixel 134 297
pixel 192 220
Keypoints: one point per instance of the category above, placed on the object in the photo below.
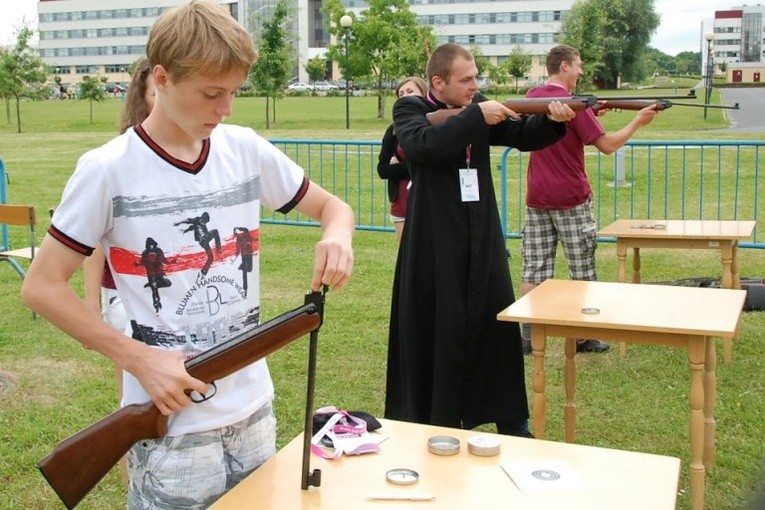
pixel 680 27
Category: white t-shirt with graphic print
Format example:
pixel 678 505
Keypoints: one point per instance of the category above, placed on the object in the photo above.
pixel 182 241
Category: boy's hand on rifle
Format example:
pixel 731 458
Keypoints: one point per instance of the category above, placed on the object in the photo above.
pixel 560 112
pixel 333 262
pixel 164 377
pixel 646 115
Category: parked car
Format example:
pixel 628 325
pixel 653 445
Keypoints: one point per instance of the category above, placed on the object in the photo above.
pixel 113 88
pixel 324 86
pixel 298 87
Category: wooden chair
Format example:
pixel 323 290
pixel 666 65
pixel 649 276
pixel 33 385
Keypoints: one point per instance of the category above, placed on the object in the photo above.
pixel 21 216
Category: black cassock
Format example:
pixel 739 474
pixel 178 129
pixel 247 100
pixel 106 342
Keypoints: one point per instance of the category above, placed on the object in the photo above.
pixel 450 361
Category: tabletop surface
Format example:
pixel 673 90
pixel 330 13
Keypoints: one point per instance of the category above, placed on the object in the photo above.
pixel 610 478
pixel 677 229
pixel 629 306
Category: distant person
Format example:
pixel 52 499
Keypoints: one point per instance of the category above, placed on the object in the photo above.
pixel 391 163
pixel 450 361
pixel 127 195
pixel 559 196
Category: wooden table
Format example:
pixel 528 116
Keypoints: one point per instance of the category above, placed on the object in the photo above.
pixel 615 479
pixel 686 234
pixel 686 317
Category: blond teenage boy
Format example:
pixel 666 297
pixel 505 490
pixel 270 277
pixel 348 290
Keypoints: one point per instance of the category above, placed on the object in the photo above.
pixel 129 196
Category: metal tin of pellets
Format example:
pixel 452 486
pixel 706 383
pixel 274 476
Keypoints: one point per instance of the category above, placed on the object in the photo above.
pixel 483 446
pixel 443 445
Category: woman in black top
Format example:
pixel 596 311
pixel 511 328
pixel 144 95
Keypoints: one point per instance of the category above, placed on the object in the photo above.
pixel 391 165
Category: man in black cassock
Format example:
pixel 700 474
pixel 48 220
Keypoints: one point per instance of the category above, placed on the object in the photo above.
pixel 450 361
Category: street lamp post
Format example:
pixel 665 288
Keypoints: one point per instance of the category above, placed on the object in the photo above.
pixel 709 71
pixel 346 22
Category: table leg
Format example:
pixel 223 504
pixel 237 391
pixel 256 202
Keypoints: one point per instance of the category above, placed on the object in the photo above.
pixel 735 277
pixel 726 249
pixel 621 257
pixel 710 400
pixel 569 382
pixel 696 355
pixel 735 282
pixel 636 265
pixel 538 341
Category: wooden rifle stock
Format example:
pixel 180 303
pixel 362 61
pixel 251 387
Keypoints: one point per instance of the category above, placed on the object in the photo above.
pixel 78 463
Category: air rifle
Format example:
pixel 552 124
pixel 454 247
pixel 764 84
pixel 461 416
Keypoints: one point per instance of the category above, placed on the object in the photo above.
pixel 78 463
pixel 582 102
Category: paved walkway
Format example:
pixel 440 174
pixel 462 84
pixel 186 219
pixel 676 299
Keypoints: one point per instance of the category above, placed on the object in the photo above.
pixel 750 118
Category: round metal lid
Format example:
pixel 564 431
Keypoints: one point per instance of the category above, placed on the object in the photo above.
pixel 402 476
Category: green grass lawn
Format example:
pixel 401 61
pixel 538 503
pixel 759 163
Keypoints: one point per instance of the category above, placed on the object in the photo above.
pixel 640 402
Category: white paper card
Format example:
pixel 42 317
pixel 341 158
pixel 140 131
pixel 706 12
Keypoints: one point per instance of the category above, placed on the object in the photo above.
pixel 544 475
pixel 469 184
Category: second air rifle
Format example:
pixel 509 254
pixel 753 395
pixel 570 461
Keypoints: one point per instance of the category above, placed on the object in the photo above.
pixel 77 464
pixel 528 106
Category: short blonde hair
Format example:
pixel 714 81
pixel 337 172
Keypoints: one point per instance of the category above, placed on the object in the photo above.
pixel 200 37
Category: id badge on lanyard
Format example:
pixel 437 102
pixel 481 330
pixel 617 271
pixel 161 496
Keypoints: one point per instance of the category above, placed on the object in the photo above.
pixel 468 180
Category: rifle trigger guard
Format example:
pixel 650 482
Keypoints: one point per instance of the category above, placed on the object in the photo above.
pixel 207 396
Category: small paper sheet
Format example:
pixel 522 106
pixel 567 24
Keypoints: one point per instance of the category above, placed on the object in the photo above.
pixel 544 475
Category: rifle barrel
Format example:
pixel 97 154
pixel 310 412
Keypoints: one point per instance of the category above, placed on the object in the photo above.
pixel 705 105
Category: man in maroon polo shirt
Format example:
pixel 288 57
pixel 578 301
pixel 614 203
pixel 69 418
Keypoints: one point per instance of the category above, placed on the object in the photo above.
pixel 559 196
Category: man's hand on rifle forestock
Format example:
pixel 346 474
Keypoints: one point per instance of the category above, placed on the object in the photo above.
pixel 164 377
pixel 560 112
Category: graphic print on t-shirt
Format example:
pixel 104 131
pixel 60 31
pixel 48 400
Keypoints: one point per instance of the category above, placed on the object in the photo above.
pixel 192 254
pixel 153 260
pixel 203 236
pixel 244 248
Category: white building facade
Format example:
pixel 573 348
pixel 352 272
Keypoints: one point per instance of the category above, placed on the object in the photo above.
pixel 738 42
pixel 739 35
pixel 99 38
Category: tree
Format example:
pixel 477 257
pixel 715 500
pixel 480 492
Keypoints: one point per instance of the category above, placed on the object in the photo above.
pixel 611 36
pixel 518 63
pixel 316 69
pixel 497 76
pixel 92 90
pixel 385 43
pixel 482 62
pixel 272 71
pixel 688 62
pixel 22 73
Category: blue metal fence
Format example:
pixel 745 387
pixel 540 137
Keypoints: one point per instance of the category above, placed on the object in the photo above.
pixel 646 180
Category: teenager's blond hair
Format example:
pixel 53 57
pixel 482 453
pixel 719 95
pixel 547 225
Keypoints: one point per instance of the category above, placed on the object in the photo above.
pixel 200 37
